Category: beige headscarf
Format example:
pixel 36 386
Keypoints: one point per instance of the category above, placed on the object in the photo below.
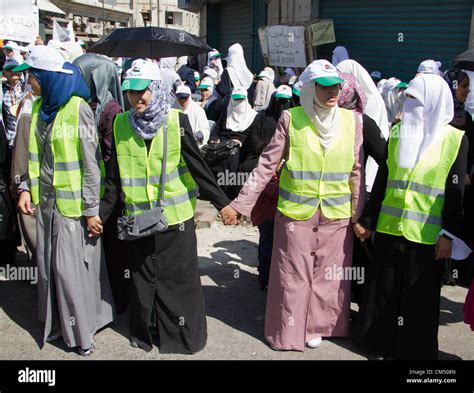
pixel 326 119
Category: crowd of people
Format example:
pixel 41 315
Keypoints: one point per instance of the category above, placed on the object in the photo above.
pixel 102 161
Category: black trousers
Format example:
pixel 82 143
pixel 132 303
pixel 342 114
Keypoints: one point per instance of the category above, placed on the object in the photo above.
pixel 116 256
pixel 265 245
pixel 166 285
pixel 399 313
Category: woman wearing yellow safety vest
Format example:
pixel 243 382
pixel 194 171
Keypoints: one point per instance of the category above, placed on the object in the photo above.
pixel 64 173
pixel 165 284
pixel 321 191
pixel 415 210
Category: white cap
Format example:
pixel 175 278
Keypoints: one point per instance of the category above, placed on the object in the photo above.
pixel 322 72
pixel 140 75
pixel 143 69
pixel 44 58
pixel 266 74
pixel 12 45
pixel 183 91
pixel 284 91
pixel 239 92
pixel 429 67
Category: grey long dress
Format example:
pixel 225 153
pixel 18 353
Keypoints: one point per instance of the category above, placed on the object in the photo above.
pixel 73 287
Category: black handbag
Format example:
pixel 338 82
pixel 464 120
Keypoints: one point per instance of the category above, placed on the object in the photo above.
pixel 214 152
pixel 7 213
pixel 151 221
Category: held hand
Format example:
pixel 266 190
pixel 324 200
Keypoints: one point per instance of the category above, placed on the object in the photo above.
pixel 94 226
pixel 361 232
pixel 24 204
pixel 230 216
pixel 444 248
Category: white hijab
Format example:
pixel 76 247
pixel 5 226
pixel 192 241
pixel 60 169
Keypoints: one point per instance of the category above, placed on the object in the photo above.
pixel 264 89
pixel 239 74
pixel 423 118
pixel 339 54
pixel 218 62
pixel 168 74
pixel 197 118
pixel 393 99
pixel 214 95
pixel 183 60
pixel 375 109
pixel 240 114
pixel 325 119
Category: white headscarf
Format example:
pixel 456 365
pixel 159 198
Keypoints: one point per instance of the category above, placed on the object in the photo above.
pixel 264 89
pixel 423 118
pixel 197 118
pixel 183 60
pixel 339 54
pixel 240 114
pixel 381 84
pixel 214 95
pixel 393 98
pixel 325 119
pixel 211 73
pixel 168 74
pixel 218 62
pixel 375 109
pixel 239 74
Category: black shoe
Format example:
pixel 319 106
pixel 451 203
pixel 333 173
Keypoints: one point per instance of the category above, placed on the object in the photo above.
pixel 134 344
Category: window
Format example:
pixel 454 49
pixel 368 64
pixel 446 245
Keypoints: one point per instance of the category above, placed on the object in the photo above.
pixel 169 18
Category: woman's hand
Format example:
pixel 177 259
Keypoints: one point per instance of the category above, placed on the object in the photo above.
pixel 24 204
pixel 94 226
pixel 361 232
pixel 443 248
pixel 230 216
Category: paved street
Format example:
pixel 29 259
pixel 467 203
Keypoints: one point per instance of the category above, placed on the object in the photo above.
pixel 235 314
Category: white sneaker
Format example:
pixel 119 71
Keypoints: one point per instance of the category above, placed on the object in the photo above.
pixel 315 342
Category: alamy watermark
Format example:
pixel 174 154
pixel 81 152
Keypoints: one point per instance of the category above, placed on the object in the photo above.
pixel 19 273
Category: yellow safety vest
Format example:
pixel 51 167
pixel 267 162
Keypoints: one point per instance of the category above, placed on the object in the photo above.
pixel 140 171
pixel 67 154
pixel 414 198
pixel 312 178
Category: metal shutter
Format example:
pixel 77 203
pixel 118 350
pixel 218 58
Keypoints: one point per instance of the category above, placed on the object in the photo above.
pixel 369 29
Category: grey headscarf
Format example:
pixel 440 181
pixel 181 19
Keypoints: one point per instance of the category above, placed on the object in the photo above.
pixel 102 79
pixel 147 124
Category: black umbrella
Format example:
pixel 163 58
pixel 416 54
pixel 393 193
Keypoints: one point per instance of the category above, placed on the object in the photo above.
pixel 465 60
pixel 149 42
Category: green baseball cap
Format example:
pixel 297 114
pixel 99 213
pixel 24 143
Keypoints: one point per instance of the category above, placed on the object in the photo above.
pixel 135 84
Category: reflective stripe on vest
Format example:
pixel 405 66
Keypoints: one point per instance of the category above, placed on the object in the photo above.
pixel 312 178
pixel 414 198
pixel 140 171
pixel 67 155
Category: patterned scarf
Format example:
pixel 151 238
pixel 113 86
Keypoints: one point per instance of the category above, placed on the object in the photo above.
pixel 352 95
pixel 450 76
pixel 148 123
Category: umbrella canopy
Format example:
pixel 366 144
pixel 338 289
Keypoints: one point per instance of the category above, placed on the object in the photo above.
pixel 465 60
pixel 149 42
